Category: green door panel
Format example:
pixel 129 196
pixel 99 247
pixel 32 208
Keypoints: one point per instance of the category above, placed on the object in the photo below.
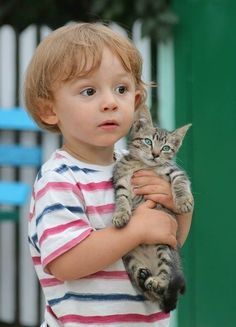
pixel 205 59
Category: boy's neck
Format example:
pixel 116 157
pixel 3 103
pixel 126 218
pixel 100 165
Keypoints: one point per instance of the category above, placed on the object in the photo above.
pixel 103 156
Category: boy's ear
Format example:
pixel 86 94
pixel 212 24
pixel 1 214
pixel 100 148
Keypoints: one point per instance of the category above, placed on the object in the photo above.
pixel 137 99
pixel 47 112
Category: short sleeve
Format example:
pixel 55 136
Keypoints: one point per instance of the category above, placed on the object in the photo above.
pixel 60 215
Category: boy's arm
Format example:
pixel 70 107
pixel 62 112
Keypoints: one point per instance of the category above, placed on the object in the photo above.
pixel 184 224
pixel 103 247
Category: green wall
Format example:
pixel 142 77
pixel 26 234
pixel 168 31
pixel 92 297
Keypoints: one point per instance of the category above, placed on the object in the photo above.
pixel 205 77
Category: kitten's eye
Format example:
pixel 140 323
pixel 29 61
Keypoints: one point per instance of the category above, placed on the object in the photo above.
pixel 88 92
pixel 166 148
pixel 121 89
pixel 148 141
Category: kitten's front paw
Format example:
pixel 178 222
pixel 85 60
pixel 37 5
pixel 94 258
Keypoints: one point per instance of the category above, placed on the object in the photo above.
pixel 184 204
pixel 121 218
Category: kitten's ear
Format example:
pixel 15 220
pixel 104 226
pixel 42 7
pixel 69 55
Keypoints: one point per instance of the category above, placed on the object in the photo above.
pixel 142 112
pixel 142 117
pixel 181 131
pixel 179 134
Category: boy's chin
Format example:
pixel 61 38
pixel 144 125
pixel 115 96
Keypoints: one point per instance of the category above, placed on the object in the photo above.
pixel 109 141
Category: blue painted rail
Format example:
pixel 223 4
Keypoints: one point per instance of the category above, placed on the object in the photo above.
pixel 15 193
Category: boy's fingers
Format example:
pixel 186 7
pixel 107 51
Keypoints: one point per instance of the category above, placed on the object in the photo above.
pixel 148 180
pixel 146 172
pixel 173 242
pixel 174 224
pixel 150 204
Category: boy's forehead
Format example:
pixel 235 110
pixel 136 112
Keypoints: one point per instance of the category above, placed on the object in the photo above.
pixel 111 60
pixel 86 62
pixel 108 60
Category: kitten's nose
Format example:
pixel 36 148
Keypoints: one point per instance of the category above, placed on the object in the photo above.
pixel 156 155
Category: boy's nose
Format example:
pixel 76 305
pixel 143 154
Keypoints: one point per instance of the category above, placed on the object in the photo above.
pixel 109 103
pixel 110 106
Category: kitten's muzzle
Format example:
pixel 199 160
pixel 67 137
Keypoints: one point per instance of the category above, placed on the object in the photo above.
pixel 155 154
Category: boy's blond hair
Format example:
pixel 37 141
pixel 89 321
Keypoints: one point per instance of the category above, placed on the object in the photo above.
pixel 70 52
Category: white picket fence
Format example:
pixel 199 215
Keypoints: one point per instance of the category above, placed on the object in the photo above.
pixel 8 77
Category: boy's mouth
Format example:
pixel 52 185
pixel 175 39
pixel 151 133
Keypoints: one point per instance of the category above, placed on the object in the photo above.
pixel 108 123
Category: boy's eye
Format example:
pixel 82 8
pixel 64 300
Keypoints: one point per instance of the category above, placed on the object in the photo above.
pixel 166 148
pixel 88 92
pixel 121 89
pixel 148 141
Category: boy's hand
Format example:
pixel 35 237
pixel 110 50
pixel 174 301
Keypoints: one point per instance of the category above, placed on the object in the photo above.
pixel 153 226
pixel 153 187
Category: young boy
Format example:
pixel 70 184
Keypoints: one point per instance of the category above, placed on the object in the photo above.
pixel 84 82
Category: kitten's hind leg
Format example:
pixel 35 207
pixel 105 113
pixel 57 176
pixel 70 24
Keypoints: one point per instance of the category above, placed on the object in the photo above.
pixel 137 271
pixel 165 291
pixel 151 286
pixel 142 274
pixel 168 281
pixel 176 286
pixel 156 285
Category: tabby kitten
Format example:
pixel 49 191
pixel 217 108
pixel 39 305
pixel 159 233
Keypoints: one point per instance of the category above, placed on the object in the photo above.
pixel 155 270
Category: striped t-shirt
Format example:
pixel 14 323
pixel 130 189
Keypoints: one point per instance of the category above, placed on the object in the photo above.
pixel 71 199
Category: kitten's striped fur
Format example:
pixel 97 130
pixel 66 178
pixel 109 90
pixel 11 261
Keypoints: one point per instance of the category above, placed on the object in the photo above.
pixel 154 269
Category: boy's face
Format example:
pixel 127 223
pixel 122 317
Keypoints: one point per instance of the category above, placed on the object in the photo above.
pixel 95 111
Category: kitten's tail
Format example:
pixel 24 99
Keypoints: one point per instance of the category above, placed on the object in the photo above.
pixel 176 287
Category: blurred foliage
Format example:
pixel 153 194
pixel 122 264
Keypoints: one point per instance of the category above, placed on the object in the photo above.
pixel 156 14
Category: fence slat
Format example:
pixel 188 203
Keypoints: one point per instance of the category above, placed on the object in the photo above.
pixel 7 236
pixel 144 46
pixel 7 66
pixel 166 87
pixel 28 285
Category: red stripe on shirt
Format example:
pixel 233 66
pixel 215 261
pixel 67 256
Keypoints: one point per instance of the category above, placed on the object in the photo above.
pixel 96 186
pixel 118 318
pixel 58 186
pixel 36 260
pixel 109 275
pixel 107 208
pixel 46 282
pixel 69 245
pixel 61 228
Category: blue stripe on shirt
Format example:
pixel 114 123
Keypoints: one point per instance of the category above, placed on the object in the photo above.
pixel 96 297
pixel 58 207
pixel 34 241
pixel 64 168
